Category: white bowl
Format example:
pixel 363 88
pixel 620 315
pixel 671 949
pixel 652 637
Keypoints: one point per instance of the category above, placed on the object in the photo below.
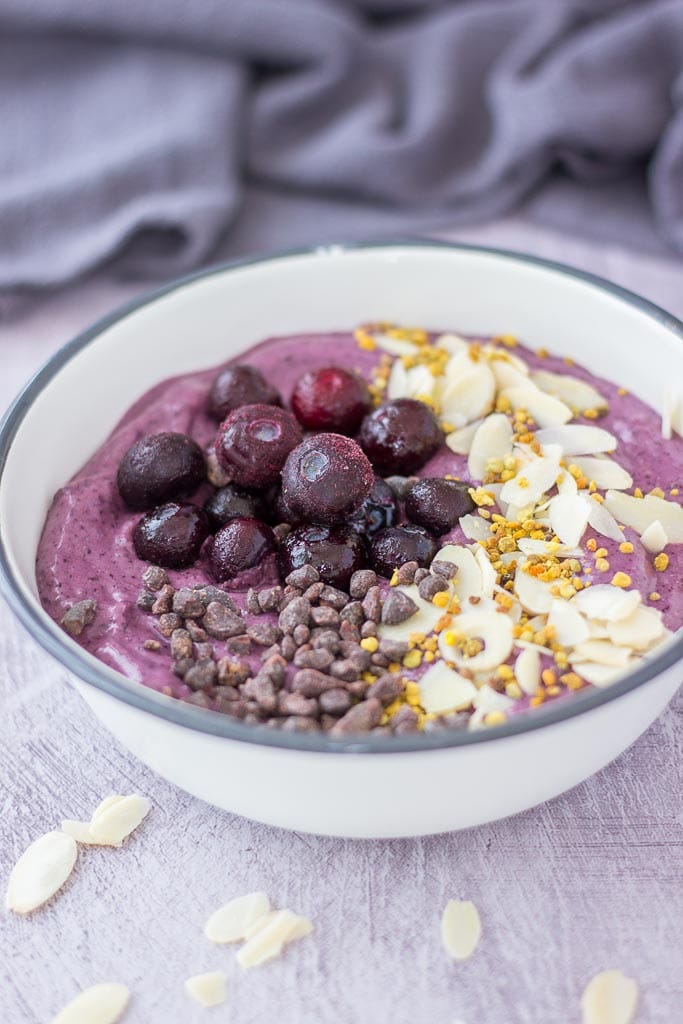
pixel 362 787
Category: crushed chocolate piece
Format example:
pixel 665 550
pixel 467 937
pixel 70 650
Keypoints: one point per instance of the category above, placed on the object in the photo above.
pixel 154 577
pixel 188 603
pixel 264 633
pixel 398 607
pixel 360 718
pixel 168 622
pixel 335 702
pixel 431 586
pixel 296 613
pixel 406 573
pixel 303 577
pixel 221 622
pixel 372 604
pixel 361 581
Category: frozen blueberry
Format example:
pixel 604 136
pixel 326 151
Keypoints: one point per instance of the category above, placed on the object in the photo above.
pixel 331 398
pixel 395 545
pixel 379 509
pixel 239 545
pixel 326 478
pixel 160 468
pixel 400 436
pixel 336 552
pixel 240 385
pixel 231 502
pixel 253 443
pixel 437 504
pixel 171 535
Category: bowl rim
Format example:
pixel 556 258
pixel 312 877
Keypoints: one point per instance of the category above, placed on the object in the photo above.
pixel 177 712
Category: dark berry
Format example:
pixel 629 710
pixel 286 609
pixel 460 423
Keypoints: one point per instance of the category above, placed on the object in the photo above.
pixel 326 478
pixel 171 535
pixel 400 436
pixel 240 385
pixel 239 545
pixel 379 509
pixel 335 551
pixel 396 545
pixel 159 468
pixel 437 504
pixel 331 399
pixel 280 510
pixel 231 502
pixel 253 443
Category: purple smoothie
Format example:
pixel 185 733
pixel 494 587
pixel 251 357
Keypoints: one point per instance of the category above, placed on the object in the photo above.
pixel 86 551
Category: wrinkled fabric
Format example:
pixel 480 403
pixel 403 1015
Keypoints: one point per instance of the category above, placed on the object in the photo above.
pixel 165 133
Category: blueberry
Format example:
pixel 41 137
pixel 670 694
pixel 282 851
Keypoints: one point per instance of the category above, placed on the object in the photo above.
pixel 326 478
pixel 240 385
pixel 253 443
pixel 331 398
pixel 379 509
pixel 231 502
pixel 400 436
pixel 437 504
pixel 239 545
pixel 171 535
pixel 336 552
pixel 160 468
pixel 392 547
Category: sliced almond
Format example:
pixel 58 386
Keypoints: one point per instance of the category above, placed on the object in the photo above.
pixel 209 989
pixel 80 831
pixel 599 675
pixel 654 538
pixel 488 573
pixel 460 929
pixel 578 439
pixel 486 701
pixel 532 481
pixel 529 546
pixel 397 384
pixel 569 514
pixel 603 522
pixel 100 1004
pixel 468 582
pixel 268 942
pixel 442 690
pixel 508 375
pixel 40 872
pixel 113 824
pixel 395 346
pixel 609 998
pixel 545 410
pixel 535 595
pixel 460 441
pixel 576 393
pixel 474 527
pixel 570 626
pixel 602 652
pixel 528 670
pixel 488 625
pixel 232 921
pixel 607 603
pixel 260 923
pixel 467 395
pixel 452 343
pixel 605 473
pixel 640 513
pixel 492 440
pixel 639 631
pixel 105 804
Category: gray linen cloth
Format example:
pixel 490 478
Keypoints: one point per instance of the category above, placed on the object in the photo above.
pixel 164 133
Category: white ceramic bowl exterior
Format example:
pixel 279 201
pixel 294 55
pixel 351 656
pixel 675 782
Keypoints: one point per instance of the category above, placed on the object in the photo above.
pixel 425 784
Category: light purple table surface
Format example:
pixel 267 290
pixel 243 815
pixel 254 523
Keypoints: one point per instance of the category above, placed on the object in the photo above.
pixel 589 881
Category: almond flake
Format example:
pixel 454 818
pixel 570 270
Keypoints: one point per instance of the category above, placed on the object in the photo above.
pixel 474 527
pixel 269 941
pixel 578 439
pixel 604 473
pixel 604 523
pixel 535 595
pixel 485 624
pixel 113 824
pixel 576 393
pixel 231 922
pixel 640 513
pixel 508 376
pixel 468 393
pixel 452 343
pixel 260 923
pixel 468 582
pixel 528 670
pixel 492 440
pixel 488 573
pixel 395 346
pixel 602 652
pixel 639 631
pixel 208 989
pixel 600 675
pixel 532 480
pixel 486 701
pixel 99 1004
pixel 545 410
pixel 460 929
pixel 40 872
pixel 105 804
pixel 529 546
pixel 609 998
pixel 460 441
pixel 80 831
pixel 570 626
pixel 569 515
pixel 654 538
pixel 442 690
pixel 607 603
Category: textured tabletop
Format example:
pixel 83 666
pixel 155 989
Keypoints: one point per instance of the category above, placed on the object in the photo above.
pixel 589 881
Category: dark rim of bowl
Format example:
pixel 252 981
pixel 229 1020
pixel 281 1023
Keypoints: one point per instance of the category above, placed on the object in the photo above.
pixel 89 669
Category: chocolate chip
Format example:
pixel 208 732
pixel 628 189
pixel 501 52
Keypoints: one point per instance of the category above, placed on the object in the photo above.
pixel 406 573
pixel 288 647
pixel 264 634
pixel 317 659
pixel 397 608
pixel 407 724
pixel 394 650
pixel 145 600
pixel 368 629
pixel 262 690
pixel 252 603
pixel 164 601
pixel 295 723
pixel 232 673
pixel 304 577
pixel 297 704
pixel 203 651
pixel 239 645
pixel 353 613
pixel 372 604
pixel 198 634
pixel 344 669
pixel 313 592
pixel 387 688
pixel 301 635
pixel 420 575
pixel 181 644
pixel 168 622
pixel 446 569
pixel 335 702
pixel 361 718
pixel 325 616
pixel 209 593
pixel 334 597
pixel 154 577
pixel 183 666
pixel 312 683
pixel 379 660
pixel 297 613
pixel 269 599
pixel 202 676
pixel 361 581
pixel 358 689
pixel 188 603
pixel 432 585
pixel 325 639
pixel 199 699
pixel 152 645
pixel 347 631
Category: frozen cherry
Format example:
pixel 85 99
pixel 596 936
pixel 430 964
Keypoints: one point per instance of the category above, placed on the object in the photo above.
pixel 331 399
pixel 253 443
pixel 239 545
pixel 171 535
pixel 240 385
pixel 437 504
pixel 391 547
pixel 400 436
pixel 326 478
pixel 280 510
pixel 231 502
pixel 379 509
pixel 159 468
pixel 335 551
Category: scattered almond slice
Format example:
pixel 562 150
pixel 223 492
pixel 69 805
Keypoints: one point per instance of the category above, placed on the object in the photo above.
pixel 640 513
pixel 545 410
pixel 442 690
pixel 508 375
pixel 121 817
pixel 492 440
pixel 80 831
pixel 494 629
pixel 576 393
pixel 489 576
pixel 486 701
pixel 528 670
pixel 570 626
pixel 397 384
pixel 578 439
pixel 209 989
pixel 600 675
pixel 460 929
pixel 468 582
pixel 602 652
pixel 529 546
pixel 607 603
pixel 40 872
pixel 566 484
pixel 395 346
pixel 460 441
pixel 569 514
pixel 452 343
pixel 639 631
pixel 105 804
pixel 474 527
pixel 604 523
pixel 232 921
pixel 535 595
pixel 260 923
pixel 609 998
pixel 654 538
pixel 605 473
pixel 467 395
pixel 269 941
pixel 532 480
pixel 100 1004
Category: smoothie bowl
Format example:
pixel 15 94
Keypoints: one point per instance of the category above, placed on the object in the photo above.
pixel 352 541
